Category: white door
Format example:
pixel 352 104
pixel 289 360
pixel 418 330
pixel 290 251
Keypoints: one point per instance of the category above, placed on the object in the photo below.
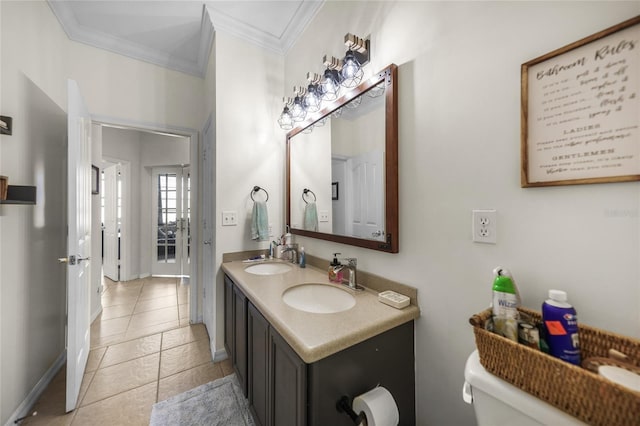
pixel 110 262
pixel 208 227
pixel 168 232
pixel 78 241
pixel 365 200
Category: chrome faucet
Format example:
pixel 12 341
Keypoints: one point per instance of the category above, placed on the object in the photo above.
pixel 293 248
pixel 352 263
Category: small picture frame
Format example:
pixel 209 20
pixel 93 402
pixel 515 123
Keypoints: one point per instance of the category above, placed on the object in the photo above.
pixel 334 191
pixel 95 180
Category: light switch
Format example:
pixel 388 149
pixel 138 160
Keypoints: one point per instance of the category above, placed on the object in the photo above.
pixel 229 218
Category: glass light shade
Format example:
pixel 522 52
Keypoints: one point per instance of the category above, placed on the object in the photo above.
pixel 311 100
pixel 330 85
pixel 285 121
pixel 355 103
pixel 298 113
pixel 351 71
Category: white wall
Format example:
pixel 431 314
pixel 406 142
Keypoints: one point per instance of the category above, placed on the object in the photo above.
pixel 36 53
pixel 250 148
pixel 459 143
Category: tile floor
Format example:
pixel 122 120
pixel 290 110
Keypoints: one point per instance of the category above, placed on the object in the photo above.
pixel 143 350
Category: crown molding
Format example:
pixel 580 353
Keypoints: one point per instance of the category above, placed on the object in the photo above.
pixel 81 34
pixel 303 15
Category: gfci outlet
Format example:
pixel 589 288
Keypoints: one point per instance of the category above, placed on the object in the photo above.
pixel 484 226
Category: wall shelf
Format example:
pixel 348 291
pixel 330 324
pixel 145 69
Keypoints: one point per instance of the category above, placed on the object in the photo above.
pixel 9 123
pixel 20 194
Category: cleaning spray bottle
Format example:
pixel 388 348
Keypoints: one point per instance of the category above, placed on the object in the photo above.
pixel 506 300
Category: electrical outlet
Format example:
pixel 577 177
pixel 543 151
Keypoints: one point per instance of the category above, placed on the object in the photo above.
pixel 484 226
pixel 271 230
pixel 323 216
pixel 229 218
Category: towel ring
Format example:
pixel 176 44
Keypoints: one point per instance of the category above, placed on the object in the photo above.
pixel 256 189
pixel 306 192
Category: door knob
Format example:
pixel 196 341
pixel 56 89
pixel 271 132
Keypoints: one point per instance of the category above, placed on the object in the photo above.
pixel 208 242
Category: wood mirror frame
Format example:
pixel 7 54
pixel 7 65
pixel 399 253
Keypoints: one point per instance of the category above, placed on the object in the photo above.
pixel 389 76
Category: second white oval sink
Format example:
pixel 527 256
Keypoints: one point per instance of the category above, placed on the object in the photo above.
pixel 318 298
pixel 268 268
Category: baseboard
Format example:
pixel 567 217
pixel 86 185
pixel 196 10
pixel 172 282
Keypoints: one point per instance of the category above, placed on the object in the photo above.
pixel 219 355
pixel 32 397
pixel 145 275
pixel 95 315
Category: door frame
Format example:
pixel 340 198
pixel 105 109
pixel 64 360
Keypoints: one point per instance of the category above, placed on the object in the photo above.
pixel 195 311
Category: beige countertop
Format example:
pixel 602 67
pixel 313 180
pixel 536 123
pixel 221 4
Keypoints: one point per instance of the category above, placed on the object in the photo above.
pixel 315 336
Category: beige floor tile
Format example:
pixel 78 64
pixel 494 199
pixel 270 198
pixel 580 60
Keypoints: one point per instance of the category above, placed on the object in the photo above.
pixel 184 357
pixel 227 366
pixel 157 292
pixel 98 342
pixel 118 378
pixel 134 333
pixel 117 311
pixel 183 296
pixel 159 280
pixel 125 289
pixel 183 335
pixel 151 318
pixel 95 356
pixel 127 351
pixel 110 299
pixel 51 404
pixel 189 379
pixel 104 328
pixel 86 381
pixel 156 303
pixel 131 408
pixel 183 311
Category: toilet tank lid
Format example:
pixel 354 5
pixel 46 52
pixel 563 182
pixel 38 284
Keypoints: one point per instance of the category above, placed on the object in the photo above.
pixel 476 375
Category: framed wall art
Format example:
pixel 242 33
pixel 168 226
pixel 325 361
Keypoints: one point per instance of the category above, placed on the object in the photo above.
pixel 580 115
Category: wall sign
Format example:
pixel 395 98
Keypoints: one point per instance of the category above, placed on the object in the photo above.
pixel 581 111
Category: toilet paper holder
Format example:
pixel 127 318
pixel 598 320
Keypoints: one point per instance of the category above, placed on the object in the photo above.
pixel 344 406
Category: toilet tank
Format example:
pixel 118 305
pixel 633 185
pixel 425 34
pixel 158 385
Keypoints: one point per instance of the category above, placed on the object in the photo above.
pixel 498 403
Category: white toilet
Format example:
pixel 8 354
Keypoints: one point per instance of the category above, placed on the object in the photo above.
pixel 498 403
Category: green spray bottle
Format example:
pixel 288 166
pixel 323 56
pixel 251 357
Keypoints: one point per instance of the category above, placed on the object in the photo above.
pixel 505 304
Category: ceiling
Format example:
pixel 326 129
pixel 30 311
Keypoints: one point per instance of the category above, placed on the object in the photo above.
pixel 177 34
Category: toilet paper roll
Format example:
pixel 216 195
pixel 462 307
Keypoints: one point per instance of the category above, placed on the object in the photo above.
pixel 379 407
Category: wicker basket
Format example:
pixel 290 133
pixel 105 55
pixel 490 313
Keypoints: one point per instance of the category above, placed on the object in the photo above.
pixel 575 390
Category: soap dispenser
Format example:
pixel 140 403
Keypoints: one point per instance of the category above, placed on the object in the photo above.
pixel 335 269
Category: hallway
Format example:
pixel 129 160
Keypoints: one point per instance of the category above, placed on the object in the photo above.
pixel 143 350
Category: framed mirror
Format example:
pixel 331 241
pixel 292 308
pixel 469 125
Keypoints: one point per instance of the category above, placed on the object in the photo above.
pixel 342 168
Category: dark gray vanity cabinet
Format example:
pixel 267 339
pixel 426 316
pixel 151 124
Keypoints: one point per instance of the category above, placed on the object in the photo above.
pixel 258 344
pixel 285 391
pixel 235 330
pixel 277 376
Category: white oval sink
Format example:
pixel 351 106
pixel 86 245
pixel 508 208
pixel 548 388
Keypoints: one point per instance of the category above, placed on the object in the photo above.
pixel 268 268
pixel 318 298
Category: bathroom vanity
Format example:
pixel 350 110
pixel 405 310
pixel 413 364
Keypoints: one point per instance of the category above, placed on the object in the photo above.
pixel 295 365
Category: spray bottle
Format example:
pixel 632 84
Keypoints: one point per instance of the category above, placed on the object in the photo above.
pixel 506 300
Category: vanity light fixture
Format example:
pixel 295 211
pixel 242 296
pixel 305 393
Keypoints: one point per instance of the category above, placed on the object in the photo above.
pixel 298 113
pixel 357 56
pixel 313 98
pixel 339 73
pixel 285 121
